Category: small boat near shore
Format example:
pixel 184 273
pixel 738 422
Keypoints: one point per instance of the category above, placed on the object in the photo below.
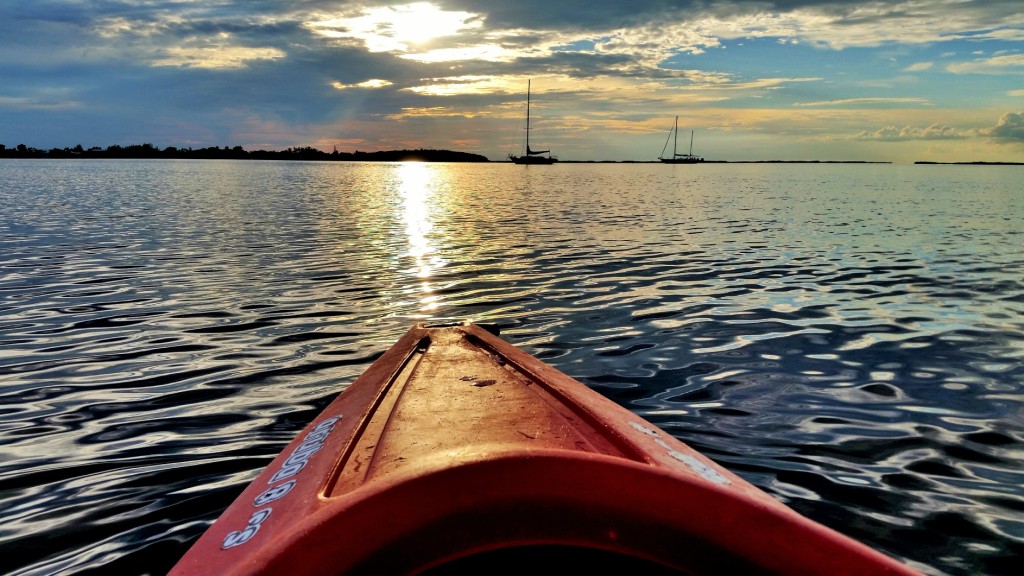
pixel 456 452
pixel 531 156
pixel 677 158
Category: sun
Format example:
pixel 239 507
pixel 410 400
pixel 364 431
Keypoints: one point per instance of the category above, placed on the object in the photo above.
pixel 399 28
pixel 420 22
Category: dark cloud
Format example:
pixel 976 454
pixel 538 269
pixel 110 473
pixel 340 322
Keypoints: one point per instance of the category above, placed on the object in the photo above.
pixel 571 64
pixel 607 14
pixel 567 14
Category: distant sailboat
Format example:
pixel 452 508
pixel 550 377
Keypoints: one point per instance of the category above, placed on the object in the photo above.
pixel 531 156
pixel 676 158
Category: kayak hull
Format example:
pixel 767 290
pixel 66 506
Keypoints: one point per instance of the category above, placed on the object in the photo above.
pixel 456 449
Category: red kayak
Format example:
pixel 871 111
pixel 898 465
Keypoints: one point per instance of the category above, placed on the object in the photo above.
pixel 456 452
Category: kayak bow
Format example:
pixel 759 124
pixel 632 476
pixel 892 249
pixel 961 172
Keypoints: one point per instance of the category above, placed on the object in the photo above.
pixel 457 452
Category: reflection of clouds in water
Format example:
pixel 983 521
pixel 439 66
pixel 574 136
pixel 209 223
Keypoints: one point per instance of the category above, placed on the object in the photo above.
pixel 418 184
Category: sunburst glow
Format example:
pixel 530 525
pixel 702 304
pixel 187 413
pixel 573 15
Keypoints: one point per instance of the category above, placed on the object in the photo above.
pixel 397 28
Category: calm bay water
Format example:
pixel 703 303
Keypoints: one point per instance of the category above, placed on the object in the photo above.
pixel 847 337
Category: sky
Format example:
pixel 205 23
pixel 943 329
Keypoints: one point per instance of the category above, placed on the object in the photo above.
pixel 899 81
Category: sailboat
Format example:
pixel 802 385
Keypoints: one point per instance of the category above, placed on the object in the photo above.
pixel 677 158
pixel 531 156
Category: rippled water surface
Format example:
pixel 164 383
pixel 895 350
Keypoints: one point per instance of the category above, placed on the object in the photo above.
pixel 847 337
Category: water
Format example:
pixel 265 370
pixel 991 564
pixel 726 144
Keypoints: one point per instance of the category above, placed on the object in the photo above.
pixel 848 338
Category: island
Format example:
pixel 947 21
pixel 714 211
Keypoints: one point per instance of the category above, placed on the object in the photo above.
pixel 979 163
pixel 140 151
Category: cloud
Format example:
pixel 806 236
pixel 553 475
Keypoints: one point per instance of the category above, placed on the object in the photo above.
pixel 860 101
pixel 380 69
pixel 397 28
pixel 460 85
pixel 432 112
pixel 367 84
pixel 832 23
pixel 687 86
pixel 26 103
pixel 1003 64
pixel 486 52
pixel 840 25
pixel 425 33
pixel 1008 34
pixel 215 57
pixel 933 132
pixel 646 35
pixel 1010 127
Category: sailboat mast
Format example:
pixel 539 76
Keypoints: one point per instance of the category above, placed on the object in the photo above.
pixel 675 132
pixel 527 116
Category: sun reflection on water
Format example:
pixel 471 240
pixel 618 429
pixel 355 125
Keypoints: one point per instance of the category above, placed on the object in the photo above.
pixel 418 186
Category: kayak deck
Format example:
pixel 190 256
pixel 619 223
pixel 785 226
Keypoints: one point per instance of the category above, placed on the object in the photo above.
pixel 456 452
pixel 464 402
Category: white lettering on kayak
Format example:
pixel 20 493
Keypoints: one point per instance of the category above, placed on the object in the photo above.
pixel 649 431
pixel 700 468
pixel 239 537
pixel 311 444
pixel 272 494
pixel 295 462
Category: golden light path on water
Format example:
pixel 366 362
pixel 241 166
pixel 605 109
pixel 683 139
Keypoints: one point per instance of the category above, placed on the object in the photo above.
pixel 418 186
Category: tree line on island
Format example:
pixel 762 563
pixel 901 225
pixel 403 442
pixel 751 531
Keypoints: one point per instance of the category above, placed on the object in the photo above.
pixel 239 153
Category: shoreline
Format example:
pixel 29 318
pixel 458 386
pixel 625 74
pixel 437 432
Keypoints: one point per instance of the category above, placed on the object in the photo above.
pixel 729 162
pixel 978 163
pixel 148 151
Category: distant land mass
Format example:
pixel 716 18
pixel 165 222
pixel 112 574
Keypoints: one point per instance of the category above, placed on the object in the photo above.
pixel 140 151
pixel 239 153
pixel 728 162
pixel 974 163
